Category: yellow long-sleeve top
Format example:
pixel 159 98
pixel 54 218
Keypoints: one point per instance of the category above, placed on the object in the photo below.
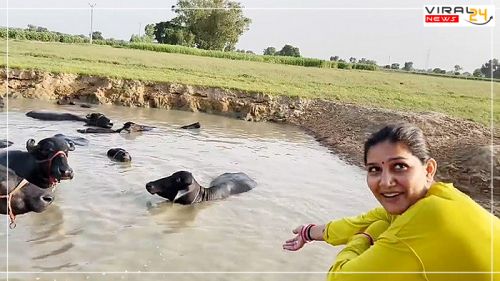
pixel 444 232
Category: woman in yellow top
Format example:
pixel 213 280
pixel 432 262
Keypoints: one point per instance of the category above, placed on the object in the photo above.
pixel 425 230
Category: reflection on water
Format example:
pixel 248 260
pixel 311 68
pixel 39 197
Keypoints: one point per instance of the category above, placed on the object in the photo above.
pixel 105 220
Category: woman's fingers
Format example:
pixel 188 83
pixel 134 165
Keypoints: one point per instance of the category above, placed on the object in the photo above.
pixel 293 244
pixel 296 242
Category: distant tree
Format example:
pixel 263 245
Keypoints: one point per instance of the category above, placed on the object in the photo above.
pixel 149 30
pixel 140 39
pixel 352 60
pixel 35 28
pixel 489 67
pixel 341 60
pixel 466 74
pixel 217 26
pixel 457 68
pixel 395 66
pixel 334 58
pixel 135 38
pixel 148 37
pixel 97 35
pixel 477 73
pixel 250 52
pixel 388 66
pixel 289 51
pixel 439 70
pixel 366 61
pixel 171 33
pixel 269 51
pixel 408 66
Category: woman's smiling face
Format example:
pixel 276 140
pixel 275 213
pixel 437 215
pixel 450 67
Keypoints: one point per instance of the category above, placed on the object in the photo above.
pixel 396 177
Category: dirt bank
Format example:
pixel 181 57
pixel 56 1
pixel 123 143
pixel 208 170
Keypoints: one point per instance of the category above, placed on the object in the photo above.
pixel 462 148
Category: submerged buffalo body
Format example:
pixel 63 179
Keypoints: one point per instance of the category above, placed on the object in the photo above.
pixel 5 143
pixel 92 119
pixel 128 127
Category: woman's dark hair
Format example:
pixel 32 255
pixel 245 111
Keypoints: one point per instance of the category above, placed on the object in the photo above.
pixel 405 133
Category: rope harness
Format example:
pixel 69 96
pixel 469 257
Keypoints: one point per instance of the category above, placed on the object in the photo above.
pixel 24 182
pixel 9 195
pixel 52 180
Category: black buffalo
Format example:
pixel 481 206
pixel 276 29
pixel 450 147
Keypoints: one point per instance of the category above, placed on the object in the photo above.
pixel 181 187
pixel 131 127
pixel 18 196
pixel 44 164
pixel 128 127
pixel 91 119
pixel 119 155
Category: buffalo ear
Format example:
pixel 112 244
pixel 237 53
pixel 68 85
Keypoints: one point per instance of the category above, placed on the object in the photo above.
pixel 71 145
pixel 31 145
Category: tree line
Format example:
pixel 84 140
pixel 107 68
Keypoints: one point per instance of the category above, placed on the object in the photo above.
pixel 490 69
pixel 218 26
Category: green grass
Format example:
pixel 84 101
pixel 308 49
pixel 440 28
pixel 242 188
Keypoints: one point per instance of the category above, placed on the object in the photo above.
pixel 456 97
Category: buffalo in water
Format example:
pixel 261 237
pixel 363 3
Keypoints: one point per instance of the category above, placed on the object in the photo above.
pixel 181 187
pixel 128 127
pixel 18 196
pixel 91 119
pixel 119 155
pixel 44 164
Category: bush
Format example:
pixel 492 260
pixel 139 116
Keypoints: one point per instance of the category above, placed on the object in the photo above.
pixel 344 65
pixel 364 66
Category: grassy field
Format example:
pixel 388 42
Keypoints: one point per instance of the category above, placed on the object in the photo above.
pixel 456 97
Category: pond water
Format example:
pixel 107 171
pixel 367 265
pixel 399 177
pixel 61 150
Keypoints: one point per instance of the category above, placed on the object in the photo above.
pixel 104 225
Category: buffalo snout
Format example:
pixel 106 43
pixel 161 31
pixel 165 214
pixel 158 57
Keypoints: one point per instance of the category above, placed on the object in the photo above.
pixel 60 169
pixel 47 199
pixel 67 173
pixel 152 188
pixel 37 203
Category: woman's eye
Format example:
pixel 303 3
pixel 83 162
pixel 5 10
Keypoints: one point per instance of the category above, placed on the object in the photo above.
pixel 400 166
pixel 373 169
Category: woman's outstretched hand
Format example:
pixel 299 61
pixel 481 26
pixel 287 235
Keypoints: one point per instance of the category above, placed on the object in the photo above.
pixel 296 242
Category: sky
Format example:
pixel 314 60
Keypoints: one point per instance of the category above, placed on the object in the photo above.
pixel 387 31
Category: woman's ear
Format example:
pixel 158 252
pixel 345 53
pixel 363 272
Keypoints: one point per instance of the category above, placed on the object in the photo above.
pixel 431 169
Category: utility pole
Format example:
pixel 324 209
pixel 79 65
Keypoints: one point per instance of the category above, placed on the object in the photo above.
pixel 427 59
pixel 91 20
